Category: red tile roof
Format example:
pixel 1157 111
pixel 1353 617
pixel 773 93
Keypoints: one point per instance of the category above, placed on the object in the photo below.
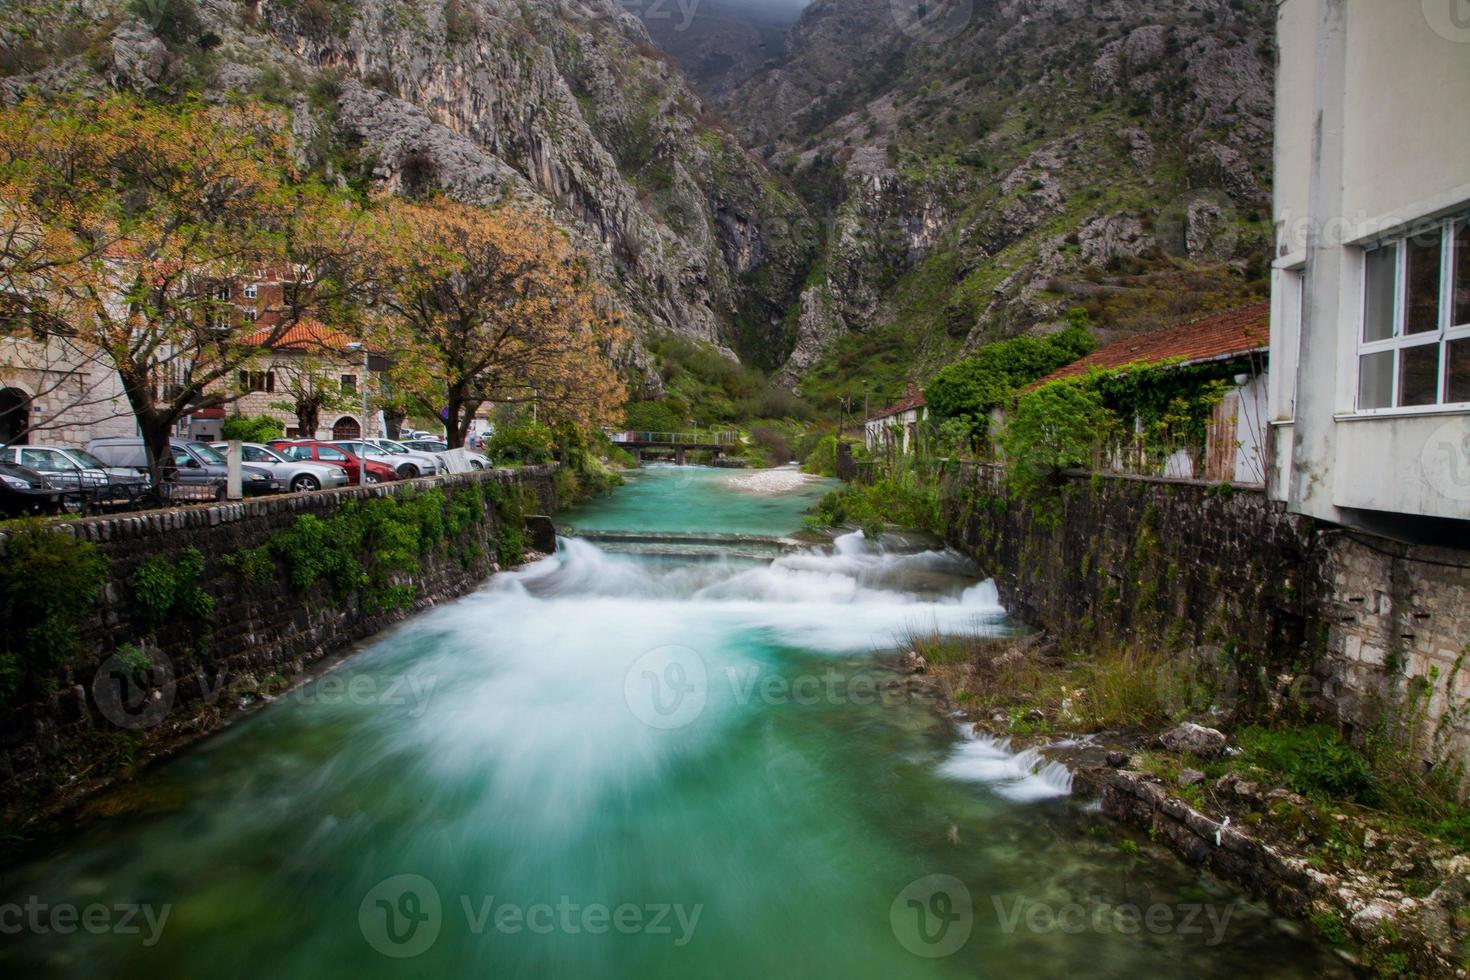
pixel 305 335
pixel 909 403
pixel 1210 338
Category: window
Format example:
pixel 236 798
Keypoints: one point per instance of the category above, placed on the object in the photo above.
pixel 253 381
pixel 1414 348
pixel 334 455
pixel 45 459
pixel 349 384
pixel 252 291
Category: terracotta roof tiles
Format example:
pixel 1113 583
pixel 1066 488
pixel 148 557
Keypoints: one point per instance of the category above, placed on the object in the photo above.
pixel 1220 335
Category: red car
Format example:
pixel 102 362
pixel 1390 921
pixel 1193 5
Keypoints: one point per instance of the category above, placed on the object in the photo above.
pixel 322 452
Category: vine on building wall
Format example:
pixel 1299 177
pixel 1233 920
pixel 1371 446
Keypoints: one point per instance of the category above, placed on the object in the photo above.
pixel 1132 414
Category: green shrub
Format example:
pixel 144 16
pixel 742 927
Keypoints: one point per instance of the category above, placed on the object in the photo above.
pixel 521 442
pixel 48 581
pixel 656 416
pixel 1052 428
pixel 904 496
pixel 253 428
pixel 822 460
pixel 968 390
pixel 164 590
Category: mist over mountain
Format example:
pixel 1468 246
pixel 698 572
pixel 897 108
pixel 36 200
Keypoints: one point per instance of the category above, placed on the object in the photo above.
pixel 720 43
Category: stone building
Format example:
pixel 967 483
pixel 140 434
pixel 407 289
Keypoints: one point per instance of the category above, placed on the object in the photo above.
pixel 1236 341
pixel 896 427
pixel 55 392
pixel 1370 351
pixel 309 354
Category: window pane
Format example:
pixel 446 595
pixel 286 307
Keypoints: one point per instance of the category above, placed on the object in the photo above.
pixel 1419 375
pixel 1422 314
pixel 1381 273
pixel 1461 310
pixel 1375 380
pixel 1457 372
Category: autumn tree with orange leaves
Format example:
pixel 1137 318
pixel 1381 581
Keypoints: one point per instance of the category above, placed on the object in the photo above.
pixel 491 306
pixel 136 219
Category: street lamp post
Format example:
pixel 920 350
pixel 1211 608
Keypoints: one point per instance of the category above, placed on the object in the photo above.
pixel 362 386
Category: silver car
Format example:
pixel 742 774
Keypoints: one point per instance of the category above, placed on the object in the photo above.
pixel 408 463
pixel 438 447
pixel 71 469
pixel 299 475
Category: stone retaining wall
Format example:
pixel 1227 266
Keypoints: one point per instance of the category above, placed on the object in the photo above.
pixel 1346 624
pixel 262 634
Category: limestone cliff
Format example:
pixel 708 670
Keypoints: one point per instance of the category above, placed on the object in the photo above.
pixel 563 103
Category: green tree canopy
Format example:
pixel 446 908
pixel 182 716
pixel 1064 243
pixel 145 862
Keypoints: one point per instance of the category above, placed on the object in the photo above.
pixel 967 390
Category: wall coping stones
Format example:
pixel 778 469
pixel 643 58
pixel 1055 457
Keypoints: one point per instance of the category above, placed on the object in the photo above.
pixel 138 524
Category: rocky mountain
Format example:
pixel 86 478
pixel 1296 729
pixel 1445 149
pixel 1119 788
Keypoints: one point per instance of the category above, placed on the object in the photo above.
pixel 982 166
pixel 893 181
pixel 563 103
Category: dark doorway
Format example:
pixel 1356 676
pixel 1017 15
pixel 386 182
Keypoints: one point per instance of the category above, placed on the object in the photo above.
pixel 346 428
pixel 15 417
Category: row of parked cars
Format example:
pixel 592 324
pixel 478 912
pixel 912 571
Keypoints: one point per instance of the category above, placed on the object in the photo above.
pixel 113 472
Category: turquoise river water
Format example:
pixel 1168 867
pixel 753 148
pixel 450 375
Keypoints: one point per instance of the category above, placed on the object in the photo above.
pixel 671 750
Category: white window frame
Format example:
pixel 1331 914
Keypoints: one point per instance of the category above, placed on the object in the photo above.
pixel 1442 336
pixel 252 291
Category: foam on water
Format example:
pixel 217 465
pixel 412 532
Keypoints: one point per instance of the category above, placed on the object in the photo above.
pixel 1023 776
pixel 541 659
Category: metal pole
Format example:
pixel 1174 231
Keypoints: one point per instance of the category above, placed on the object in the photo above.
pixel 362 463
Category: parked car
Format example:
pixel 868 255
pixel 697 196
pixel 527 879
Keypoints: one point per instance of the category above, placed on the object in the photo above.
pixel 197 465
pixel 24 491
pixel 407 468
pixel 427 445
pixel 426 464
pixel 298 475
pixel 86 478
pixel 325 452
pixel 438 447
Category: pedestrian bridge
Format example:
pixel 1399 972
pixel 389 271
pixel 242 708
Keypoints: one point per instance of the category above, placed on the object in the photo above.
pixel 717 443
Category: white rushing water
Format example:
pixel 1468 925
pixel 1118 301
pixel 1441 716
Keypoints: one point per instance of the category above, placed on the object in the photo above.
pixel 1020 776
pixel 657 648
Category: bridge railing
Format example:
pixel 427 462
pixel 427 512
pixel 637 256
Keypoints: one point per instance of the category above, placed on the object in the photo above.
pixel 677 438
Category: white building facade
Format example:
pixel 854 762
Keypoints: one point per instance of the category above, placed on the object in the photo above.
pixel 1370 344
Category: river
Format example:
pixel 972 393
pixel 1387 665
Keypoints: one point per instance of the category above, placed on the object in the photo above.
pixel 672 750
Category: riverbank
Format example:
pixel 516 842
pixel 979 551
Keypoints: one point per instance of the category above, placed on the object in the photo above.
pixel 1257 808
